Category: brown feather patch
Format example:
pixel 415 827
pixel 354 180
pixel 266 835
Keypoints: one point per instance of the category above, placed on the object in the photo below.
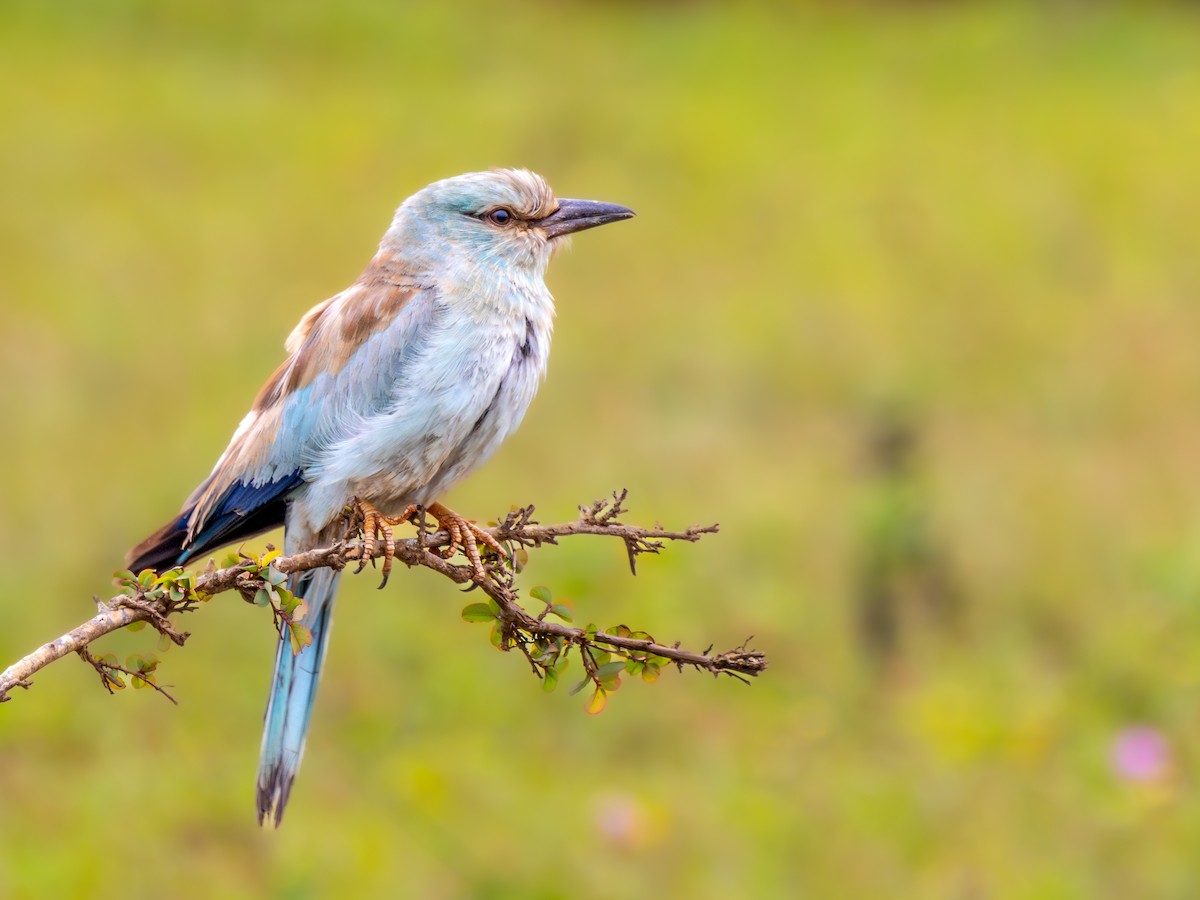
pixel 325 339
pixel 331 332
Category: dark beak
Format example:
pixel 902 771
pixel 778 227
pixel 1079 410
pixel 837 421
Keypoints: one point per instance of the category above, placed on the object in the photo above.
pixel 577 215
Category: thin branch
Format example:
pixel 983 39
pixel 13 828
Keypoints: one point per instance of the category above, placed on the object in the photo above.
pixel 143 603
pixel 17 675
pixel 104 669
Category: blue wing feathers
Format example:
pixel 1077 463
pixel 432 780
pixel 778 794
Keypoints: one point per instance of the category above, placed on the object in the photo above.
pixel 244 510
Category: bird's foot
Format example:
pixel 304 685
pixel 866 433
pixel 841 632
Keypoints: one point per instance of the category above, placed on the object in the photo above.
pixel 466 536
pixel 375 527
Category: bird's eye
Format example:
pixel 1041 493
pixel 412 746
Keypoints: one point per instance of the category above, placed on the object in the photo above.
pixel 498 216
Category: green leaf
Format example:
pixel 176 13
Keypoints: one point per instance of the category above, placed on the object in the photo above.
pixel 587 679
pixel 619 631
pixel 274 576
pixel 143 665
pixel 549 680
pixel 561 610
pixel 262 598
pixel 136 626
pixel 608 670
pixel 498 639
pixel 610 675
pixel 478 612
pixel 169 577
pixel 112 679
pixel 633 666
pixel 545 654
pixel 288 602
pixel 650 674
pixel 541 592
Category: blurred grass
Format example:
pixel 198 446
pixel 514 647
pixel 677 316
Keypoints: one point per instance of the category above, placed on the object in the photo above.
pixel 981 212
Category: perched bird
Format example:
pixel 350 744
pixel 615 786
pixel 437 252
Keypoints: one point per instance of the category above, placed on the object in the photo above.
pixel 394 390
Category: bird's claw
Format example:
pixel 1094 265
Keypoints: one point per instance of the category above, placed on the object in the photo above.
pixel 465 536
pixel 376 526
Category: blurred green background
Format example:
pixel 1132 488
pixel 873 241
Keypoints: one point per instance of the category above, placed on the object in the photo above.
pixel 969 229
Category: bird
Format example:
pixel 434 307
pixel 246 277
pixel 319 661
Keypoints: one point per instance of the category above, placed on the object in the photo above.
pixel 392 391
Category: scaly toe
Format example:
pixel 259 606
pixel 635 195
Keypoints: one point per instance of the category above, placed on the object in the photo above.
pixel 453 525
pixel 471 548
pixel 376 526
pixel 370 524
pixel 488 538
pixel 465 536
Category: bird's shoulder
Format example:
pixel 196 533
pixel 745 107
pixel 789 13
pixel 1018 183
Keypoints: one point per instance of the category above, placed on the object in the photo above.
pixel 330 334
pixel 296 400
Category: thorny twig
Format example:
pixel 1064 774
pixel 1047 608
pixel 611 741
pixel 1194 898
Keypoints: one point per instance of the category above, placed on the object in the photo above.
pixel 518 628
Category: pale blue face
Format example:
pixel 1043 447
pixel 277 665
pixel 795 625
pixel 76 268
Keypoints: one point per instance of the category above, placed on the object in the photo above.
pixel 507 218
pixel 480 218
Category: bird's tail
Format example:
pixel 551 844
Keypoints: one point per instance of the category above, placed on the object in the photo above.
pixel 293 690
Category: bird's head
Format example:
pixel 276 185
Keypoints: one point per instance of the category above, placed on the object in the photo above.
pixel 507 217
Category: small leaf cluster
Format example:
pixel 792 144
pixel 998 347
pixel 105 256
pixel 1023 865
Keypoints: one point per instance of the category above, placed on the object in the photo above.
pixel 550 654
pixel 175 589
pixel 155 597
pixel 266 586
pixel 138 666
pixel 604 666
